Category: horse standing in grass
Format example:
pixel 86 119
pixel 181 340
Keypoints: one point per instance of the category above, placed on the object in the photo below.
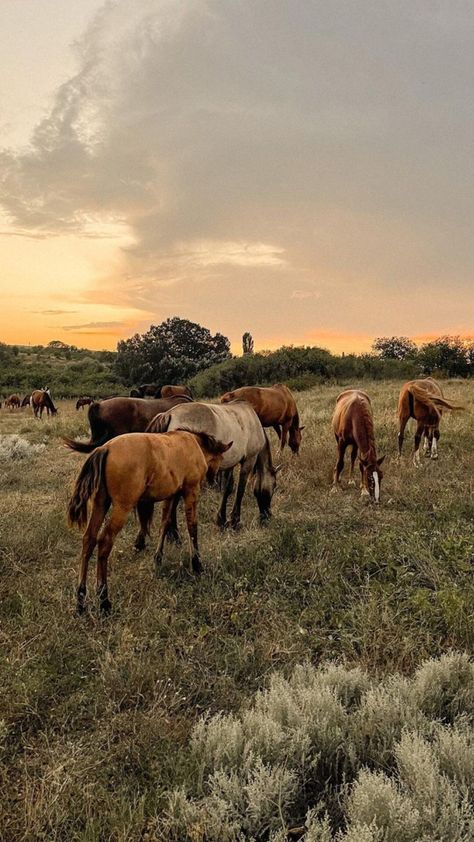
pixel 236 422
pixel 82 402
pixel 40 400
pixel 136 471
pixel 353 425
pixel 13 402
pixel 116 416
pixel 275 407
pixel 26 401
pixel 170 391
pixel 422 400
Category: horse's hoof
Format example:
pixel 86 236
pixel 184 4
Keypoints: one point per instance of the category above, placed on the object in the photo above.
pixel 139 546
pixel 105 606
pixel 235 525
pixel 173 537
pixel 335 489
pixel 197 566
pixel 80 609
pixel 351 483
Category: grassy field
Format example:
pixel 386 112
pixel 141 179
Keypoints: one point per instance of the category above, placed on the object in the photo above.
pixel 96 713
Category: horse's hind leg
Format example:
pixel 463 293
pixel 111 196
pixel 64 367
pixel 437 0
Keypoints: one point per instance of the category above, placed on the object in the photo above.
pixel 351 480
pixel 106 542
pixel 145 516
pixel 245 469
pixel 89 541
pixel 190 509
pixel 228 487
pixel 403 417
pixel 418 435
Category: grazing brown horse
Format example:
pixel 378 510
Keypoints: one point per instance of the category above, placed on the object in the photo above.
pixel 275 407
pixel 82 402
pixel 422 400
pixel 169 391
pixel 136 471
pixel 13 402
pixel 40 400
pixel 353 425
pixel 116 416
pixel 26 401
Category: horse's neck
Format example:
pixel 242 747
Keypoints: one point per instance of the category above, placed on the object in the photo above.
pixel 365 439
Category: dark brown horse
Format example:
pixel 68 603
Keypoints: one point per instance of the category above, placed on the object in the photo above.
pixel 353 425
pixel 82 402
pixel 275 407
pixel 26 401
pixel 116 416
pixel 136 471
pixel 13 402
pixel 146 390
pixel 40 400
pixel 422 400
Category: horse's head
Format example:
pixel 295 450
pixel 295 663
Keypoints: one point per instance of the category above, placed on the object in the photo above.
pixel 294 439
pixel 371 478
pixel 265 482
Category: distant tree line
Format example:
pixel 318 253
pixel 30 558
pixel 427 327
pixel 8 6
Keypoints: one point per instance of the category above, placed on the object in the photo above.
pixel 179 350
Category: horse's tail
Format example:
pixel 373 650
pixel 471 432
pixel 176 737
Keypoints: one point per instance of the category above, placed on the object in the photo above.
pixel 99 432
pixel 90 479
pixel 425 397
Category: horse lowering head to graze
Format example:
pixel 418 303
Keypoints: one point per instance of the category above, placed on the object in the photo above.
pixel 13 402
pixel 275 407
pixel 116 416
pixel 422 400
pixel 84 401
pixel 236 422
pixel 170 390
pixel 135 471
pixel 40 400
pixel 353 425
pixel 26 401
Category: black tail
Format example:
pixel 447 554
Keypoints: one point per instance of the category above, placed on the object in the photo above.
pixel 99 432
pixel 88 482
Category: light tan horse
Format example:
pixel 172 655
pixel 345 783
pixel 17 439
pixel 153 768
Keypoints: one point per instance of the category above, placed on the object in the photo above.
pixel 353 425
pixel 134 471
pixel 422 400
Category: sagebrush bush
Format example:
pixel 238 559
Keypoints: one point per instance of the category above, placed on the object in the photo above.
pixel 17 448
pixel 345 757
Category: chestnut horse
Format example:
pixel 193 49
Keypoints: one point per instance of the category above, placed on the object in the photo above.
pixel 40 400
pixel 137 470
pixel 116 416
pixel 26 401
pixel 236 422
pixel 170 391
pixel 422 400
pixel 275 407
pixel 353 425
pixel 82 402
pixel 13 402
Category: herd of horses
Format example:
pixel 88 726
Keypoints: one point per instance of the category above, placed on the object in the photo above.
pixel 39 400
pixel 162 445
pixel 147 450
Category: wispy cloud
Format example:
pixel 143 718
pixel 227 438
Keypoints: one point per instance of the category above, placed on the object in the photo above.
pixel 54 312
pixel 99 326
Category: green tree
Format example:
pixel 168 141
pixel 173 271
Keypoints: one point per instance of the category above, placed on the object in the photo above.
pixel 449 354
pixel 394 347
pixel 247 343
pixel 173 351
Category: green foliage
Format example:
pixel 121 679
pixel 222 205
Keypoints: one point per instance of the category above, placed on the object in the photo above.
pixel 450 355
pixel 394 347
pixel 68 371
pixel 171 352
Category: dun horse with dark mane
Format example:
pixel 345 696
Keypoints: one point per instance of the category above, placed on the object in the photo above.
pixel 275 407
pixel 136 471
pixel 353 426
pixel 422 400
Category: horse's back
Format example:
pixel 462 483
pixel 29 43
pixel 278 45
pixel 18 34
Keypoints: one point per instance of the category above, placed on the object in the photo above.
pixel 273 404
pixel 351 406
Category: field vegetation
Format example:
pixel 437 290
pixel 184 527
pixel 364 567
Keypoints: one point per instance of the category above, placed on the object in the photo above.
pixel 289 678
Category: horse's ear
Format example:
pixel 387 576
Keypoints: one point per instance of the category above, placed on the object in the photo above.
pixel 379 461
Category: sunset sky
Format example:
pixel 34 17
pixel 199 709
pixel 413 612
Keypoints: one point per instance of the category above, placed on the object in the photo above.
pixel 296 168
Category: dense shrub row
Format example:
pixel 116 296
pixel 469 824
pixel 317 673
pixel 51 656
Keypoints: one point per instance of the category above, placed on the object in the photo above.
pixel 342 757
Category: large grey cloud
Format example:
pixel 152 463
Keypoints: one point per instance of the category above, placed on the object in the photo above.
pixel 283 165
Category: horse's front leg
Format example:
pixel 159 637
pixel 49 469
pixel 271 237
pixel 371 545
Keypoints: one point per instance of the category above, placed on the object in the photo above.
pixel 353 459
pixel 339 467
pixel 190 509
pixel 245 470
pixel 165 522
pixel 228 487
pixel 172 533
pixel 284 434
pixel 416 451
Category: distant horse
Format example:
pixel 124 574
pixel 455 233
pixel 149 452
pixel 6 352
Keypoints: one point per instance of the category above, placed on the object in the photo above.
pixel 169 391
pixel 136 471
pixel 422 400
pixel 116 416
pixel 26 401
pixel 146 390
pixel 275 407
pixel 353 425
pixel 13 402
pixel 82 402
pixel 40 400
pixel 236 422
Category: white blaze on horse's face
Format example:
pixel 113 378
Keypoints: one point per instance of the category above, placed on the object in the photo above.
pixel 376 487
